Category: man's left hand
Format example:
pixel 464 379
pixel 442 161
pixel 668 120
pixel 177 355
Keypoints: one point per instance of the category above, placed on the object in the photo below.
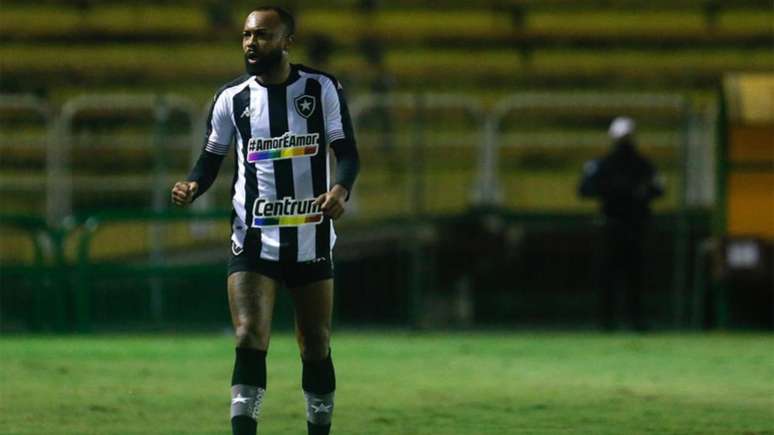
pixel 332 202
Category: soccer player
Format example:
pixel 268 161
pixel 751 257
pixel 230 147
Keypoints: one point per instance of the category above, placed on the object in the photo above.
pixel 284 117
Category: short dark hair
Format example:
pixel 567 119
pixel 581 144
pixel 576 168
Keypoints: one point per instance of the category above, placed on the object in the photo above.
pixel 286 17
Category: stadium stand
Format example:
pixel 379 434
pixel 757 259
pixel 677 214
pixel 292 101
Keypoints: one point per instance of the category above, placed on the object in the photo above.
pixel 54 51
pixel 486 49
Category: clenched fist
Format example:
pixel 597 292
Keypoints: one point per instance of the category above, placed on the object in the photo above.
pixel 183 192
pixel 332 203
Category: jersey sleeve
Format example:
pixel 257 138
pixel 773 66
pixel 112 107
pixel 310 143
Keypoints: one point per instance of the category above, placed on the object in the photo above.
pixel 220 127
pixel 338 124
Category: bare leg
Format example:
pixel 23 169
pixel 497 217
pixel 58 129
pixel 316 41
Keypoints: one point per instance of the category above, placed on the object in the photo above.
pixel 251 299
pixel 314 309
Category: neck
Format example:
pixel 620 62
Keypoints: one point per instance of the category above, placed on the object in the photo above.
pixel 625 149
pixel 277 75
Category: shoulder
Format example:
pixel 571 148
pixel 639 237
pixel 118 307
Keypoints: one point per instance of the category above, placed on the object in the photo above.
pixel 231 85
pixel 323 77
pixel 235 82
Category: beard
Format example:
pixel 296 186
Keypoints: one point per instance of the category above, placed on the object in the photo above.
pixel 265 63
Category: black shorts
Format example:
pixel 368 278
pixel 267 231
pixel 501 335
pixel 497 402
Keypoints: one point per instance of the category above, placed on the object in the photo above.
pixel 290 273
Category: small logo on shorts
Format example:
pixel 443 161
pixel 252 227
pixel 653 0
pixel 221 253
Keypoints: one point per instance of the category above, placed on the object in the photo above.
pixel 236 249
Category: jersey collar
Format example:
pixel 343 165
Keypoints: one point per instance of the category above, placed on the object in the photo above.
pixel 292 77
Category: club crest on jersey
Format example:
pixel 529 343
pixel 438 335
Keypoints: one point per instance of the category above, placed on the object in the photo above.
pixel 305 105
pixel 286 146
pixel 287 212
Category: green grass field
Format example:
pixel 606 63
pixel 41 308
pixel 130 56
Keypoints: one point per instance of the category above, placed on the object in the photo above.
pixel 399 383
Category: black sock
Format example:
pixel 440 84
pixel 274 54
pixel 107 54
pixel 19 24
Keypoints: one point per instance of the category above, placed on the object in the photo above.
pixel 317 429
pixel 249 367
pixel 241 425
pixel 318 379
pixel 249 377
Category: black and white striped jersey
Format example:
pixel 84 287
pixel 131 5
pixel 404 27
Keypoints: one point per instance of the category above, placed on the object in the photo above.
pixel 282 135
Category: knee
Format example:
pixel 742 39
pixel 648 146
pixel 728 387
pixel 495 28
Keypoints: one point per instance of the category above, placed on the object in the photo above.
pixel 315 343
pixel 250 336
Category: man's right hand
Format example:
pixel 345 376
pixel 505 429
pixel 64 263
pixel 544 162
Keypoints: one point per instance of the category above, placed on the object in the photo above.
pixel 183 192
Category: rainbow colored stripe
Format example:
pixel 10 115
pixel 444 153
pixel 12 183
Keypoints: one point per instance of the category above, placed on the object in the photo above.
pixel 288 221
pixel 257 156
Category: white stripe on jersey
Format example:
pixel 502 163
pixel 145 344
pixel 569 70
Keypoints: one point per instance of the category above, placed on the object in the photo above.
pixel 328 188
pixel 303 186
pixel 260 127
pixel 222 130
pixel 238 227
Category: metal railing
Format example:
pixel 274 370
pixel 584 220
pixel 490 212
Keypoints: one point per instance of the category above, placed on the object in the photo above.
pixel 59 164
pixel 424 109
pixel 486 124
pixel 483 139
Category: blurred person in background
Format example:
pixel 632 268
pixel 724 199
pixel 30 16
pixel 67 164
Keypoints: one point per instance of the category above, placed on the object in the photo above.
pixel 625 183
pixel 284 117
